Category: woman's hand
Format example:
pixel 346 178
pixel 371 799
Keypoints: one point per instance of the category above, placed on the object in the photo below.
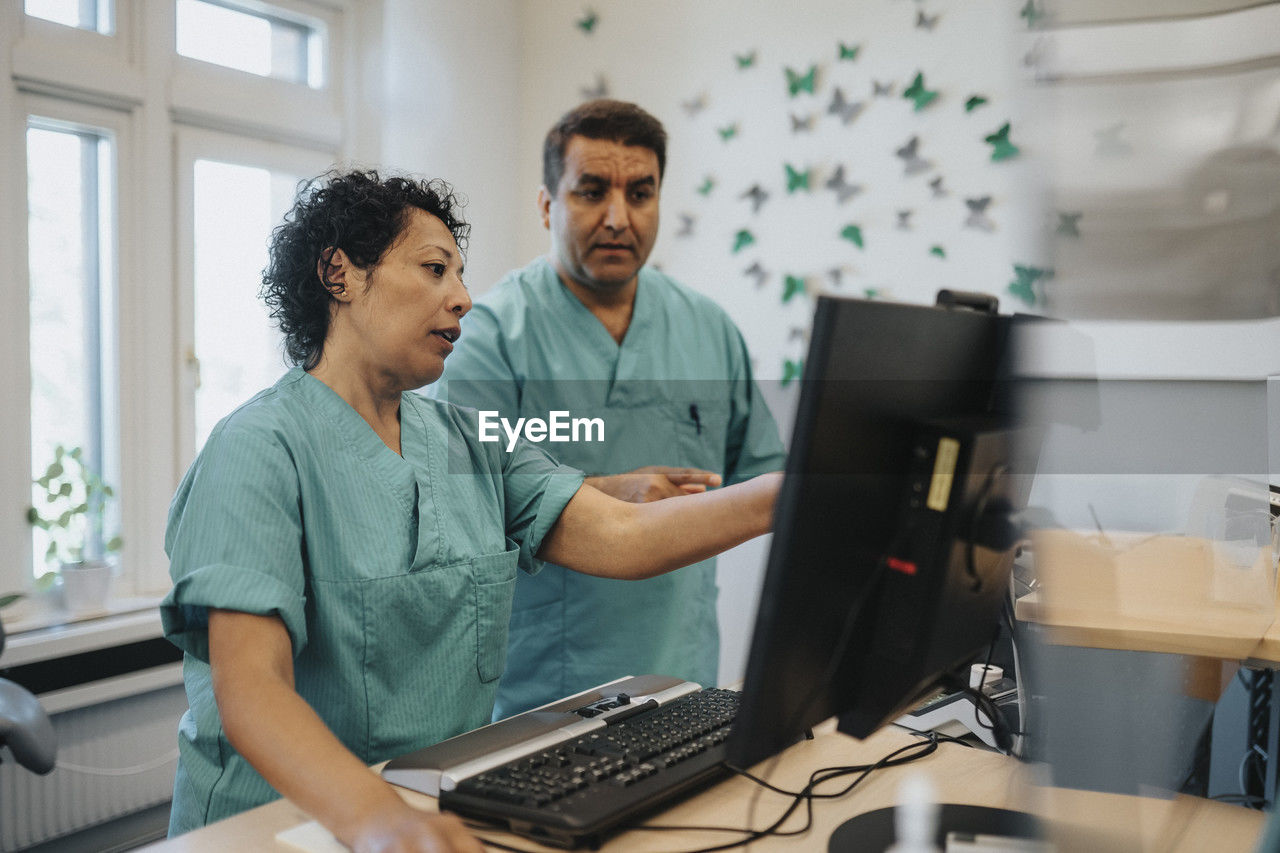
pixel 412 831
pixel 286 741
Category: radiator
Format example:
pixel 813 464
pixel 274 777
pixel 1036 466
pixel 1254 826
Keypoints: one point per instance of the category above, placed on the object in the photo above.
pixel 117 751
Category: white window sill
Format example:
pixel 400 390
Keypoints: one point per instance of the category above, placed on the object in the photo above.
pixel 41 635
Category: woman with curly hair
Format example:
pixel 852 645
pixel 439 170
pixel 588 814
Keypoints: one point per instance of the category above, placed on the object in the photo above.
pixel 344 550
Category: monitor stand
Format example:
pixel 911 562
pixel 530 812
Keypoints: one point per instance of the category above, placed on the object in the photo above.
pixel 873 832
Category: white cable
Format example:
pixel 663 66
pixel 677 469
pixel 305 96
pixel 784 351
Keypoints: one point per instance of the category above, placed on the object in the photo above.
pixel 1019 689
pixel 121 771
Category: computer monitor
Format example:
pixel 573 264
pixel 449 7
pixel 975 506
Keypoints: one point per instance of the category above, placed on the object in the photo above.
pixel 893 538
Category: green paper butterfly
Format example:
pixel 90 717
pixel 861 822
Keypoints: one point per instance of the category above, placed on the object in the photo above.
pixel 871 293
pixel 745 60
pixel 973 103
pixel 797 83
pixel 707 184
pixel 1031 13
pixel 742 239
pixel 1002 148
pixel 727 132
pixel 796 180
pixel 849 51
pixel 852 233
pixel 587 22
pixel 1023 287
pixel 918 93
pixel 794 285
pixel 938 252
pixel 791 370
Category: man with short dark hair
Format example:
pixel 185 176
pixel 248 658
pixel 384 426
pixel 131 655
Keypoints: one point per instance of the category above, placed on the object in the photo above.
pixel 591 332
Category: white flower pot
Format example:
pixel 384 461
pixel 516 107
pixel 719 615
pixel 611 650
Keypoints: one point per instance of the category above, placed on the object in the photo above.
pixel 86 585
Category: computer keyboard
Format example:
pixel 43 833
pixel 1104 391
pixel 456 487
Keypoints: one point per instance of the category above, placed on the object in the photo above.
pixel 578 791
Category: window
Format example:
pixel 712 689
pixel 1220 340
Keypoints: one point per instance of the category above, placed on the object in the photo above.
pixel 71 239
pixel 231 346
pixel 153 155
pixel 258 43
pixel 93 15
pixel 237 344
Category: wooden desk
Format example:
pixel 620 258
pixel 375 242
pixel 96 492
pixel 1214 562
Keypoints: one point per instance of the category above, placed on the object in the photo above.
pixel 1084 820
pixel 1138 592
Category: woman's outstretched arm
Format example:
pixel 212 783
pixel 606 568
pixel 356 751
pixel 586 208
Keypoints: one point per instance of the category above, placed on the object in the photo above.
pixel 600 535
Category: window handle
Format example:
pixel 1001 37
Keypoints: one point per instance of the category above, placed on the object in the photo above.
pixel 193 364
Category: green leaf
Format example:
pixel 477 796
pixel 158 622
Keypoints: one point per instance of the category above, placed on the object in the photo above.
pixel 80 508
pixel 65 491
pixel 852 233
pixel 938 252
pixel 10 598
pixel 76 453
pixel 53 550
pixel 59 452
pixel 742 239
pixel 55 470
pixel 64 519
pixel 115 543
pixel 108 491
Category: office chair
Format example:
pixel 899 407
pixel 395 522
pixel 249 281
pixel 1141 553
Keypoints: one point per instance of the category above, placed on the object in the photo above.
pixel 25 727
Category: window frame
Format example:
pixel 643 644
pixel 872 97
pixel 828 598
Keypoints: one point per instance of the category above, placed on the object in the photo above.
pixel 215 97
pixel 133 84
pixel 192 144
pixel 120 128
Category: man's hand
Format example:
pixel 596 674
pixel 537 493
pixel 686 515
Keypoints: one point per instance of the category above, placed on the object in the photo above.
pixel 655 482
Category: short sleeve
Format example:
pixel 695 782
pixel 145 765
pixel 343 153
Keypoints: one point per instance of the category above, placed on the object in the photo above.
pixel 754 447
pixel 234 539
pixel 536 490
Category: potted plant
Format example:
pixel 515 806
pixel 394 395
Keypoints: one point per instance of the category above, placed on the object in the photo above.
pixel 70 504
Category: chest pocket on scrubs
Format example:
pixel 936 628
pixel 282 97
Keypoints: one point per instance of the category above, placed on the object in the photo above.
pixel 494 583
pixel 701 430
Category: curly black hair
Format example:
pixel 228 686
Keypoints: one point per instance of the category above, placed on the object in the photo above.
pixel 360 213
pixel 603 118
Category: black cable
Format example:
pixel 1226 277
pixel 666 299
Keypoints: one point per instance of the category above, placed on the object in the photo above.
pixel 804 796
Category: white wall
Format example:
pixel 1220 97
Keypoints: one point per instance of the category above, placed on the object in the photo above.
pixel 452 73
pixel 664 53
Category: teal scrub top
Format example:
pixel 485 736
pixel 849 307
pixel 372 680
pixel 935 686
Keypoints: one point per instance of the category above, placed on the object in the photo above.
pixel 677 391
pixel 393 574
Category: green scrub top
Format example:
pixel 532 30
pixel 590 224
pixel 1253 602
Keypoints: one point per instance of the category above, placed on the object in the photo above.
pixel 677 391
pixel 393 575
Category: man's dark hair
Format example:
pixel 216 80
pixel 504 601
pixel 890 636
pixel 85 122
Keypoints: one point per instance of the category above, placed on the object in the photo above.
pixel 617 121
pixel 360 213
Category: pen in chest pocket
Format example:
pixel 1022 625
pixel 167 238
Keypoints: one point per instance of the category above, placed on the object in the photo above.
pixel 697 421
